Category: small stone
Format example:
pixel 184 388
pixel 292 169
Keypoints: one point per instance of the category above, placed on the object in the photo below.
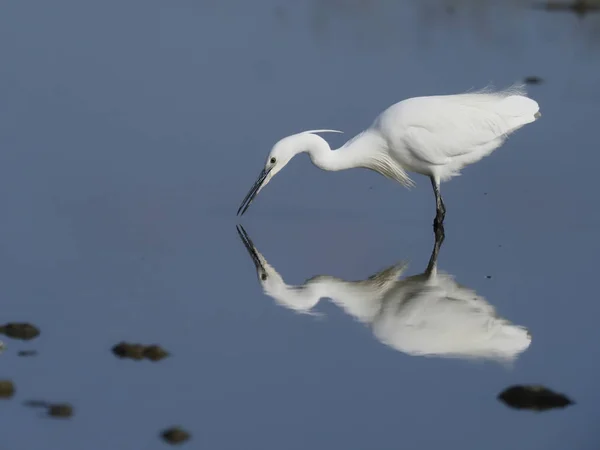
pixel 132 351
pixel 7 389
pixel 155 353
pixel 52 409
pixel 533 80
pixel 488 277
pixel 579 7
pixel 24 331
pixel 175 435
pixel 60 410
pixel 533 397
pixel 139 351
pixel 27 353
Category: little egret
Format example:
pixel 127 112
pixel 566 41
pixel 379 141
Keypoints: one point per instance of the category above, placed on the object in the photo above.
pixel 434 136
pixel 428 314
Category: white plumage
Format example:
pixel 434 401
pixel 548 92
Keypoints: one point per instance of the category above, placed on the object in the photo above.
pixel 428 314
pixel 435 136
pixel 438 136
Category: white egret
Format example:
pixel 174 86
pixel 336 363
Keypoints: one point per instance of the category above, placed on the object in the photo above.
pixel 428 314
pixel 435 136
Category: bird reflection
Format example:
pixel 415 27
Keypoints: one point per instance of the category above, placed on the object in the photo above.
pixel 428 314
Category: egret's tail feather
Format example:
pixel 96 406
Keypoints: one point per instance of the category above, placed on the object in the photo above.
pixel 519 111
pixel 518 105
pixel 515 89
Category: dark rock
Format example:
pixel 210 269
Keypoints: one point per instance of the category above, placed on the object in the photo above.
pixel 579 7
pixel 533 397
pixel 62 410
pixel 139 351
pixel 533 80
pixel 24 331
pixel 7 389
pixel 155 353
pixel 27 353
pixel 175 435
pixel 131 351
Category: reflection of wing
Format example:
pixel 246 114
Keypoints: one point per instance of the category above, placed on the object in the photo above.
pixel 386 279
pixel 446 319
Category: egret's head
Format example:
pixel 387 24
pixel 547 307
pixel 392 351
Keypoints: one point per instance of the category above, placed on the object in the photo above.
pixel 268 277
pixel 281 154
pixel 296 298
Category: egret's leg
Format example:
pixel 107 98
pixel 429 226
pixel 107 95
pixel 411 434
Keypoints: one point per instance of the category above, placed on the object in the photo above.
pixel 439 240
pixel 440 209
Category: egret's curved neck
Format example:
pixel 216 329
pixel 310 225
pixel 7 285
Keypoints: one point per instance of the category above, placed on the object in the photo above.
pixel 362 300
pixel 360 151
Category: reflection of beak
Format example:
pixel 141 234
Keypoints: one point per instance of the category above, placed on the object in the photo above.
pixel 252 193
pixel 250 247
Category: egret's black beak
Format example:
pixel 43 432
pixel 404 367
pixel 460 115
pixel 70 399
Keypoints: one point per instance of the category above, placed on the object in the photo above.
pixel 252 194
pixel 249 246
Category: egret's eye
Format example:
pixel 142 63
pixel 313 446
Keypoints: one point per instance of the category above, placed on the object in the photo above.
pixel 273 160
pixel 263 276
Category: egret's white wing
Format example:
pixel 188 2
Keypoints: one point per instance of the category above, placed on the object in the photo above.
pixel 439 128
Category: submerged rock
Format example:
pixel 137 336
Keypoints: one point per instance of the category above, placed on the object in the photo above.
pixel 139 351
pixel 155 353
pixel 579 7
pixel 131 351
pixel 24 331
pixel 534 397
pixel 175 435
pixel 62 410
pixel 27 353
pixel 533 80
pixel 7 389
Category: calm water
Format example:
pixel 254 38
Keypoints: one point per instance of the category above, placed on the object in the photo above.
pixel 130 131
